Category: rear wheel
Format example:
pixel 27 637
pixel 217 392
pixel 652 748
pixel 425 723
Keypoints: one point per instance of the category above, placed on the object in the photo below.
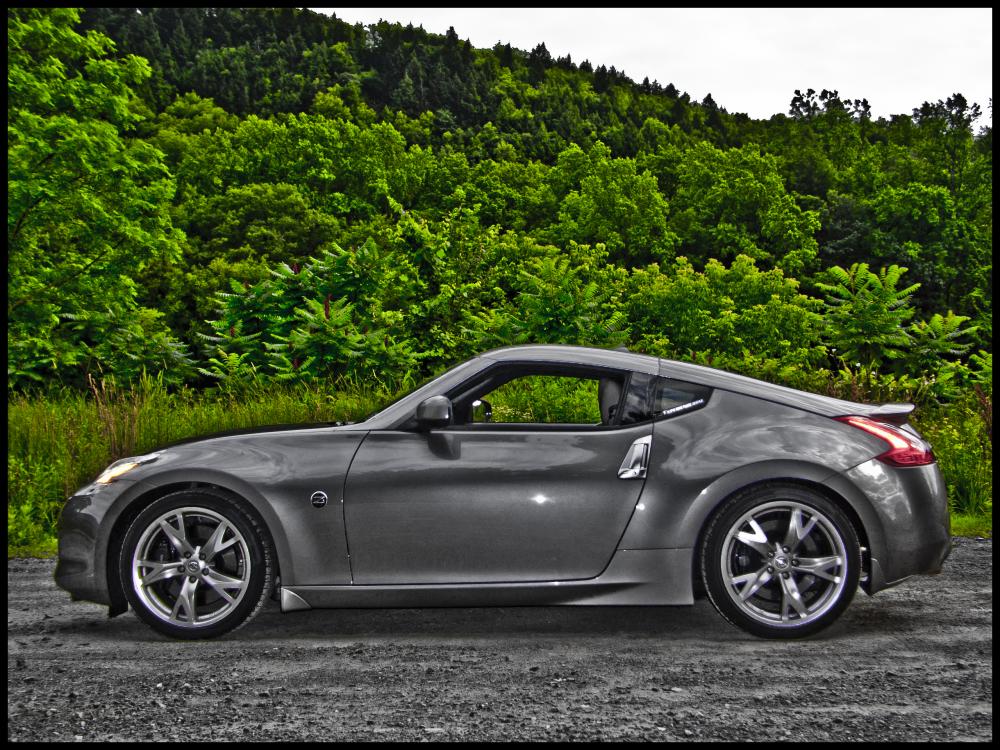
pixel 196 565
pixel 781 561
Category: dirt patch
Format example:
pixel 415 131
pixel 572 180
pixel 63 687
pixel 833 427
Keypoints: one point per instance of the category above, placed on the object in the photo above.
pixel 912 663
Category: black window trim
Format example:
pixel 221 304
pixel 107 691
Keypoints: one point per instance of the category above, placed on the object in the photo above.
pixel 466 388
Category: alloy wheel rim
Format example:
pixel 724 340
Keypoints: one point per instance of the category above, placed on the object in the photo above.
pixel 191 567
pixel 784 563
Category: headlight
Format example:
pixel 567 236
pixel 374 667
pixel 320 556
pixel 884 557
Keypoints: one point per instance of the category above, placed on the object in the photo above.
pixel 124 466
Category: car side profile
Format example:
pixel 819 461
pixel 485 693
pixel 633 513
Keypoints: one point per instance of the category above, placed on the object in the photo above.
pixel 529 475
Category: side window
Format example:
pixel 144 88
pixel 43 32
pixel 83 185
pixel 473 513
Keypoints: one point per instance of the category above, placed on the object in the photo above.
pixel 545 399
pixel 677 397
pixel 651 397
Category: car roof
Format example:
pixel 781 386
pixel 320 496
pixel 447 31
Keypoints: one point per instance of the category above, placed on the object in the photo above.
pixel 576 355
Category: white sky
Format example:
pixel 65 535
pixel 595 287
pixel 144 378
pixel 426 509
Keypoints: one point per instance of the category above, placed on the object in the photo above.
pixel 750 59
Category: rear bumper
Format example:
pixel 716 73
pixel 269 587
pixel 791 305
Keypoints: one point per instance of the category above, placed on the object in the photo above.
pixel 911 506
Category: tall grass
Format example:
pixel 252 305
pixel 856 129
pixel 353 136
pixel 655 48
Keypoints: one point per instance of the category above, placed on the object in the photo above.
pixel 961 435
pixel 61 441
pixel 547 398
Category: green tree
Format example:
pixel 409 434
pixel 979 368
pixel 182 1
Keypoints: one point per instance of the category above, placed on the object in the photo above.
pixel 734 202
pixel 234 236
pixel 557 303
pixel 368 199
pixel 739 310
pixel 946 127
pixel 613 205
pixel 88 204
pixel 188 115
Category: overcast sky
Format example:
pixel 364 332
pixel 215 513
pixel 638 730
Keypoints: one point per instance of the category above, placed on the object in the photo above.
pixel 750 60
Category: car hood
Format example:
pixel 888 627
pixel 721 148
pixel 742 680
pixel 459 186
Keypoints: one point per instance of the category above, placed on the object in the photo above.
pixel 261 430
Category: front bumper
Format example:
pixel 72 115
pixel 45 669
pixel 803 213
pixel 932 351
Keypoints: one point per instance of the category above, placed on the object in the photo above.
pixel 81 567
pixel 911 506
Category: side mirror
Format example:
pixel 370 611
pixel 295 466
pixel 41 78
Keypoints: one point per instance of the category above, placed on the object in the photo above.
pixel 434 412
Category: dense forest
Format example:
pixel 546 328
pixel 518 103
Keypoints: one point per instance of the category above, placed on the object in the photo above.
pixel 219 193
pixel 224 218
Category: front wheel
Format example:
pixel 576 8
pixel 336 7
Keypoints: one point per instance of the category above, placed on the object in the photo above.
pixel 781 561
pixel 196 565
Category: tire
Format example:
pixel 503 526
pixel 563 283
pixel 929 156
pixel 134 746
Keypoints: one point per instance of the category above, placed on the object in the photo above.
pixel 187 579
pixel 780 561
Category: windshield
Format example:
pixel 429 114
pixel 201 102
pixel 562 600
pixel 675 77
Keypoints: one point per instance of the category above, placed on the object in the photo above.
pixel 420 386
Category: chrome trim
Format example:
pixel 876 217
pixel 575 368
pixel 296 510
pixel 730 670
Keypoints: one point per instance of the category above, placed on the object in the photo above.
pixel 636 460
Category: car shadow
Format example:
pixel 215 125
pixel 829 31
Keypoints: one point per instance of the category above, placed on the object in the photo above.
pixel 463 622
pixel 456 623
pixel 699 622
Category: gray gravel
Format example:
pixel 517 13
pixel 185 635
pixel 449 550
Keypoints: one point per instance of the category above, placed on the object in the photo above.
pixel 912 663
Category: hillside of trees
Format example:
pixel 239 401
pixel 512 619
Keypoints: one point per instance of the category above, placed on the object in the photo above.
pixel 218 195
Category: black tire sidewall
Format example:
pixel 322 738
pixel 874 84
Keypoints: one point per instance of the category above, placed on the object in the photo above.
pixel 261 574
pixel 714 576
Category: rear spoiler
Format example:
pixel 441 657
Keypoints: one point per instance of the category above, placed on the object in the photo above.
pixel 891 413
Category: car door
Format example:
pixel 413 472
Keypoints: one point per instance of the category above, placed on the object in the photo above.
pixel 492 502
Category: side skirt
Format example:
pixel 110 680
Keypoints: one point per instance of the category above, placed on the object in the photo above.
pixel 633 577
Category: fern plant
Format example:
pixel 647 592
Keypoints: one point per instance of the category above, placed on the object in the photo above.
pixel 233 370
pixel 322 343
pixel 937 340
pixel 867 314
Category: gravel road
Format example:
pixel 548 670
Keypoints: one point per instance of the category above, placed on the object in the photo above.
pixel 912 663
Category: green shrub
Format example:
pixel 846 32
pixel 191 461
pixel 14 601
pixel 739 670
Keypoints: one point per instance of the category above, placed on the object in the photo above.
pixel 547 399
pixel 963 446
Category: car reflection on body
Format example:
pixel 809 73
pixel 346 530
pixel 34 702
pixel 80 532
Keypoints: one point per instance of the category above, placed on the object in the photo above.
pixel 541 474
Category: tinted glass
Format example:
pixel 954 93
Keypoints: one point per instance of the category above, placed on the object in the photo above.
pixel 640 394
pixel 652 397
pixel 676 397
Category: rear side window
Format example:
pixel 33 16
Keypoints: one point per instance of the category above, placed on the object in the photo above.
pixel 650 397
pixel 676 397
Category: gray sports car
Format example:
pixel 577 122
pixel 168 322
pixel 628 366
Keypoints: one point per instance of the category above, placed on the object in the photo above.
pixel 526 475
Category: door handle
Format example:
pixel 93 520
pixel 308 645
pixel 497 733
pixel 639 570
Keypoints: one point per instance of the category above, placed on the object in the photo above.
pixel 636 460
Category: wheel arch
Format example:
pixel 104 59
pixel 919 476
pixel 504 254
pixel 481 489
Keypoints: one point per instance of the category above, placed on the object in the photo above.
pixel 834 486
pixel 825 490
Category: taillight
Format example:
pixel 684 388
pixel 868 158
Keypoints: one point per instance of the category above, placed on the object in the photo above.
pixel 904 449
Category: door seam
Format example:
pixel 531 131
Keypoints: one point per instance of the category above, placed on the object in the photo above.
pixel 343 505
